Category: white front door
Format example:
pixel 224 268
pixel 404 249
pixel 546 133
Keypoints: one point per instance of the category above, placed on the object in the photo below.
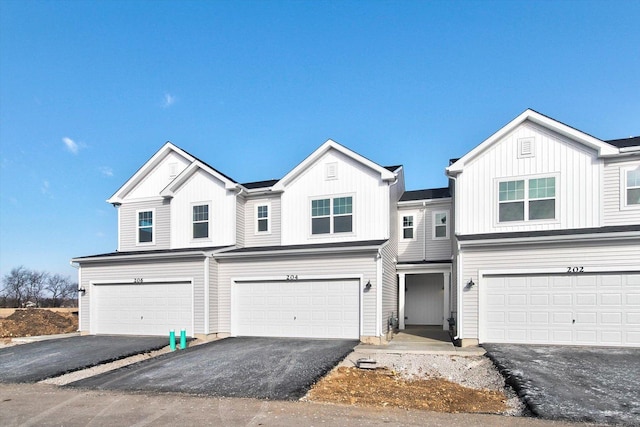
pixel 142 309
pixel 573 309
pixel 312 309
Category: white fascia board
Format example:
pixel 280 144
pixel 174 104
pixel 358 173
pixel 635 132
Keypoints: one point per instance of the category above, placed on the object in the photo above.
pixel 139 256
pixel 420 203
pixel 601 147
pixel 424 268
pixel 299 251
pixel 385 174
pixel 546 239
pixel 195 166
pixel 131 183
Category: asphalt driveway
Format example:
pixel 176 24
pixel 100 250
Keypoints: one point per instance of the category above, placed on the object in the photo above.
pixel 263 368
pixel 45 359
pixel 583 384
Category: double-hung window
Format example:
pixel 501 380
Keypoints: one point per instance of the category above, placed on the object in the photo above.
pixel 200 221
pixel 632 187
pixel 262 218
pixel 527 199
pixel 440 226
pixel 145 226
pixel 329 216
pixel 407 227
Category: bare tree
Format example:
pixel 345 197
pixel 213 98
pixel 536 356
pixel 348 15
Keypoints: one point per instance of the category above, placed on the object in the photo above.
pixel 36 286
pixel 60 288
pixel 14 287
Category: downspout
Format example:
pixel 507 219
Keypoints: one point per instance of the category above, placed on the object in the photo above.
pixel 379 294
pixel 457 257
pixel 424 237
pixel 206 295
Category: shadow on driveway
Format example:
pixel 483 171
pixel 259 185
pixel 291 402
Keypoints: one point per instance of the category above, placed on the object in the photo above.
pixel 46 359
pixel 582 384
pixel 264 368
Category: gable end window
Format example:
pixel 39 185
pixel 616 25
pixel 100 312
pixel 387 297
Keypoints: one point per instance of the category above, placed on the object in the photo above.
pixel 440 225
pixel 633 187
pixel 332 216
pixel 407 227
pixel 200 221
pixel 262 218
pixel 527 199
pixel 145 227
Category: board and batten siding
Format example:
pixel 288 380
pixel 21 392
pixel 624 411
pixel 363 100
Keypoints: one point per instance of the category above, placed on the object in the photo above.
pixel 318 265
pixel 578 174
pixel 159 177
pixel 613 198
pixel 126 271
pixel 251 235
pixel 539 257
pixel 370 201
pixel 200 189
pixel 128 225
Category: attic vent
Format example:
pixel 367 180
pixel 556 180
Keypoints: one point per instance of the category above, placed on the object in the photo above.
pixel 525 147
pixel 332 171
pixel 173 170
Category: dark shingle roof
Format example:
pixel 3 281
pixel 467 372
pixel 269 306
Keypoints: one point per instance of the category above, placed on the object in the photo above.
pixel 392 168
pixel 430 193
pixel 155 251
pixel 260 184
pixel 633 141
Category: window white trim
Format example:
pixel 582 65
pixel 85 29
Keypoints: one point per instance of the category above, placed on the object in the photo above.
pixel 402 226
pixel 332 216
pixel 154 219
pixel 209 221
pixel 434 224
pixel 257 219
pixel 624 205
pixel 526 200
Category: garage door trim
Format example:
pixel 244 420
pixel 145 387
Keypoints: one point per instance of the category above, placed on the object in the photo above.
pixel 569 270
pixel 293 279
pixel 132 282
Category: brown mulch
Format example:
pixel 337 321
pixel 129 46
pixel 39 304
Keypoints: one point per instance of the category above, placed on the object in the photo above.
pixel 382 387
pixel 33 322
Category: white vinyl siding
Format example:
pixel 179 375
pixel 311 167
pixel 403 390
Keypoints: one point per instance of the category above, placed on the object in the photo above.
pixel 616 212
pixel 272 238
pixel 159 177
pixel 540 257
pixel 126 272
pixel 425 246
pixel 370 201
pixel 337 265
pixel 129 225
pixel 577 170
pixel 203 188
pixel 240 221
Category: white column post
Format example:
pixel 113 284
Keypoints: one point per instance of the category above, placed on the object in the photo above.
pixel 446 280
pixel 401 290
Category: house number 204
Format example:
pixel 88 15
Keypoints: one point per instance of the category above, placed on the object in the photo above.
pixel 292 277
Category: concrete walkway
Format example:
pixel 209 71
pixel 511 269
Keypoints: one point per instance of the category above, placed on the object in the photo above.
pixel 421 340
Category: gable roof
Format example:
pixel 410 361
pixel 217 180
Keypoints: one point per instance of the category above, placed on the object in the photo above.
pixel 603 148
pixel 190 170
pixel 385 174
pixel 137 177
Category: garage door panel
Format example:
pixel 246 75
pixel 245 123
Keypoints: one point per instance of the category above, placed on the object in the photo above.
pixel 316 309
pixel 586 309
pixel 142 309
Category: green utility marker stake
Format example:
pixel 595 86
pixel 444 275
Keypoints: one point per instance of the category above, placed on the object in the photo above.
pixel 183 339
pixel 172 339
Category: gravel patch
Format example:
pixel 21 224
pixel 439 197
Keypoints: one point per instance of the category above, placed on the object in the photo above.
pixel 477 372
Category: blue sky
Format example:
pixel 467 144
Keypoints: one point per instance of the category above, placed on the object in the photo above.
pixel 89 90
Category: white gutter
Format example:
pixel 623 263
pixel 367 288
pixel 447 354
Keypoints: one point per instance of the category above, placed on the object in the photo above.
pixel 543 239
pixel 417 203
pixel 298 251
pixel 139 256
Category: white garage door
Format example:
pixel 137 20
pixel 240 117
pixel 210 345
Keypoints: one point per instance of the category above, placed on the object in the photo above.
pixel 142 309
pixel 312 309
pixel 580 309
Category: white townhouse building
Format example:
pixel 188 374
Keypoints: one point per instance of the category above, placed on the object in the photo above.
pixel 535 240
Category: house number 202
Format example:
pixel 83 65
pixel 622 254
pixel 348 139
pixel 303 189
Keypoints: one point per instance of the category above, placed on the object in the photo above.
pixel 575 269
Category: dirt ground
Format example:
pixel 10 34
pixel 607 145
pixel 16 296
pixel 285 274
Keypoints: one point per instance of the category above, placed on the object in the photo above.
pixel 33 322
pixel 383 387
